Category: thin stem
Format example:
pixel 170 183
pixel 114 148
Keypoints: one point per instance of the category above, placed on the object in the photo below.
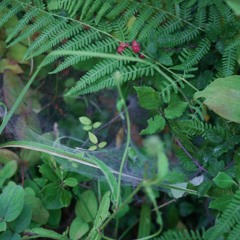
pixel 196 162
pixel 18 100
pixel 128 199
pixel 124 157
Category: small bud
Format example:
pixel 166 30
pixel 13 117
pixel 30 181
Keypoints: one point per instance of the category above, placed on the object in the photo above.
pixel 141 56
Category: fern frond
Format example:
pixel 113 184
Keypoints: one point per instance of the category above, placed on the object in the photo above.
pixel 235 233
pixel 224 10
pixel 107 45
pixel 57 35
pixel 103 68
pixel 38 25
pixel 127 73
pixel 196 127
pixel 190 58
pixel 9 14
pixel 151 25
pixel 118 9
pixel 227 221
pixel 171 26
pixel 105 7
pixel 85 8
pixel 142 18
pixel 178 38
pixel 229 60
pixel 201 17
pixel 182 235
pixel 22 23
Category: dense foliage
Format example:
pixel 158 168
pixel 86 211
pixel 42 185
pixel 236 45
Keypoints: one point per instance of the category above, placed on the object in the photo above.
pixel 179 59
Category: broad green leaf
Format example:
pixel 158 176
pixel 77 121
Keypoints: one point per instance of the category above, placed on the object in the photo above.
pixel 155 124
pixel 39 213
pixel 234 5
pixel 87 206
pixel 223 96
pixel 7 155
pixel 163 166
pixel 42 232
pixel 144 226
pixel 23 220
pixel 222 180
pixel 85 121
pixel 3 226
pixel 10 236
pixel 78 228
pixel 16 52
pixel 48 173
pixel 175 110
pixel 54 217
pixel 148 98
pixel 101 216
pixel 11 202
pixel 92 138
pixel 71 182
pixel 221 203
pixel 8 171
pixel 65 197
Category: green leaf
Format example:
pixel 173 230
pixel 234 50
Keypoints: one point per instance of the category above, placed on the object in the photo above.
pixel 222 180
pixel 221 203
pixel 148 98
pixel 97 125
pixel 78 228
pixel 165 59
pixel 92 138
pixel 101 216
pixel 3 226
pixel 11 202
pixel 23 220
pixel 92 148
pixel 234 5
pixel 71 182
pixel 223 96
pixel 87 206
pixel 144 227
pixel 175 109
pixel 42 232
pixel 155 124
pixel 65 197
pixel 39 213
pixel 102 144
pixel 10 236
pixel 87 128
pixel 85 121
pixel 48 173
pixel 8 171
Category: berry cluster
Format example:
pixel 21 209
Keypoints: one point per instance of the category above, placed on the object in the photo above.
pixel 134 45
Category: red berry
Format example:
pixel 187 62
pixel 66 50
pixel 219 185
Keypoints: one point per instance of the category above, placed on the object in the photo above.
pixel 126 44
pixel 120 49
pixel 135 43
pixel 141 56
pixel 122 44
pixel 136 49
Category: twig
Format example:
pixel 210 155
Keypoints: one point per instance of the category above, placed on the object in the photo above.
pixel 196 162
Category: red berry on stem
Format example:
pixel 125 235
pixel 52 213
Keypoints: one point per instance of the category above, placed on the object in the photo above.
pixel 120 49
pixel 136 49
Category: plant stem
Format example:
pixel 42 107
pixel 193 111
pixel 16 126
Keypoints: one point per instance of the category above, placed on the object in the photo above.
pixel 124 157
